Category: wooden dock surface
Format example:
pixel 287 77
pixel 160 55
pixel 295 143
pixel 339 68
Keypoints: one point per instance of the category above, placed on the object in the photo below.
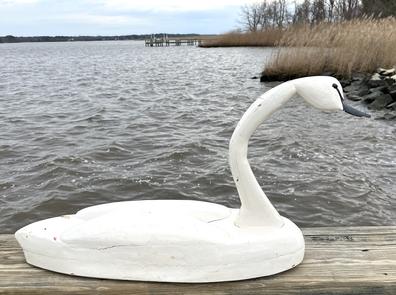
pixel 338 260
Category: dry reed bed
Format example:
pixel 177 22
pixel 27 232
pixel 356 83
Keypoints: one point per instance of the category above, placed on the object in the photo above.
pixel 269 37
pixel 358 46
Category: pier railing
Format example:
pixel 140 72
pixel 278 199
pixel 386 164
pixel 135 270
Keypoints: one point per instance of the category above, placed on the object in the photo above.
pixel 164 41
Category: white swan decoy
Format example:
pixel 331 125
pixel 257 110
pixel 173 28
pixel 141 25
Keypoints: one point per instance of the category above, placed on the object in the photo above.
pixel 185 241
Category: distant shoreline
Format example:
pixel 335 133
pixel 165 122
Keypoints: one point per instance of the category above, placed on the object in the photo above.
pixel 16 39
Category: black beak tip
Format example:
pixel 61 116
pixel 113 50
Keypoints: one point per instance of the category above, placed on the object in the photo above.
pixel 350 110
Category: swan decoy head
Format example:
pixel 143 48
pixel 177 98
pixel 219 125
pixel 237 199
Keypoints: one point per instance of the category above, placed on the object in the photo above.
pixel 325 93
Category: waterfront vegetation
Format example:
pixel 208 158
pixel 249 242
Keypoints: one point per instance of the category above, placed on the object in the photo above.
pixel 268 37
pixel 317 36
pixel 341 48
pixel 344 48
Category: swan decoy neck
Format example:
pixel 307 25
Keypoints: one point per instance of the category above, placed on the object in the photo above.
pixel 322 92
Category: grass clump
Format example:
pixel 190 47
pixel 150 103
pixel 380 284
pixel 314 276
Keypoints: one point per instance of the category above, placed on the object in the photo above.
pixel 268 37
pixel 343 48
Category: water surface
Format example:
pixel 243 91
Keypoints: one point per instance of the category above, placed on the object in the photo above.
pixel 86 123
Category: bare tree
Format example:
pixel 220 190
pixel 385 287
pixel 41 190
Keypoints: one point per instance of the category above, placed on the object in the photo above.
pixel 350 9
pixel 318 11
pixel 379 8
pixel 277 13
pixel 265 20
pixel 330 10
pixel 268 13
pixel 251 17
pixel 302 12
pixel 283 15
pixel 315 11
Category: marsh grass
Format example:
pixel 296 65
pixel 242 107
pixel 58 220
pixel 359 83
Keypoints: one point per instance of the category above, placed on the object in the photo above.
pixel 344 48
pixel 269 37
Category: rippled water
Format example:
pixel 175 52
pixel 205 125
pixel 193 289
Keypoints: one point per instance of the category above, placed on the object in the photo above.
pixel 86 123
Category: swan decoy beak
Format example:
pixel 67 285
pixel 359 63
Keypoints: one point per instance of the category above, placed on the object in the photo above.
pixel 347 108
pixel 350 110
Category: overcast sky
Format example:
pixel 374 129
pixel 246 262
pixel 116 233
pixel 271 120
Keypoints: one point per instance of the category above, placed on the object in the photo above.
pixel 117 17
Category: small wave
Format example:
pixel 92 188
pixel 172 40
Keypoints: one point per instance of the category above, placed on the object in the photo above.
pixel 110 152
pixel 8 151
pixel 95 115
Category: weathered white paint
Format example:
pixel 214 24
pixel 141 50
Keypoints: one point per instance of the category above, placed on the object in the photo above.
pixel 184 241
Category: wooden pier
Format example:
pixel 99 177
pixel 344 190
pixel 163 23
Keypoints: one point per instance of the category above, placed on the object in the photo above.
pixel 165 41
pixel 338 260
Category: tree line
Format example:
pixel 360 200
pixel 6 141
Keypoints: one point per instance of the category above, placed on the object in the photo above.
pixel 281 13
pixel 14 39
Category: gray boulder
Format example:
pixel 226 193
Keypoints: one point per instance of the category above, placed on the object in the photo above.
pixel 352 88
pixel 376 81
pixel 390 80
pixel 383 89
pixel 363 91
pixel 345 82
pixel 392 106
pixel 393 94
pixel 381 102
pixel 368 99
pixel 354 97
pixel 392 88
pixel 358 77
pixel 387 72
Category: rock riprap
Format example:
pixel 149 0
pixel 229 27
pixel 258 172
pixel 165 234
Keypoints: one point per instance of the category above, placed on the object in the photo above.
pixel 377 91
